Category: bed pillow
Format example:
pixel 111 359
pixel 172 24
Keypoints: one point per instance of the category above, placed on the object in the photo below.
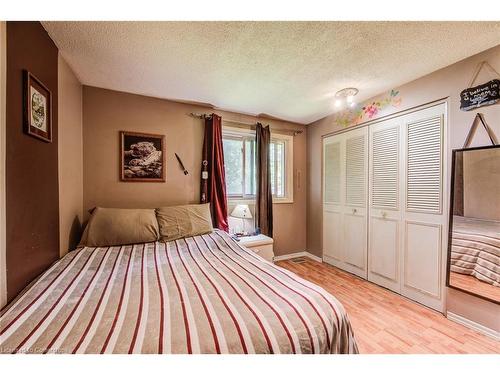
pixel 184 221
pixel 120 226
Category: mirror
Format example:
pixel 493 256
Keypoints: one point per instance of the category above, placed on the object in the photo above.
pixel 474 237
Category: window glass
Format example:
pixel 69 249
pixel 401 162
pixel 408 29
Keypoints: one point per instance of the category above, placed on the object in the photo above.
pixel 250 171
pixel 233 162
pixel 272 166
pixel 280 169
pixel 241 168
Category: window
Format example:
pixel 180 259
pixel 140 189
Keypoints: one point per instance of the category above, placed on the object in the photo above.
pixel 240 164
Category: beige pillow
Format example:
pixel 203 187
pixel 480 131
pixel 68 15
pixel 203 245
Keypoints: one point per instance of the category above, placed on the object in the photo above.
pixel 184 221
pixel 120 226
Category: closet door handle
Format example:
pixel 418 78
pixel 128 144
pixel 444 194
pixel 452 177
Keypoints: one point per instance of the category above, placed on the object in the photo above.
pixel 354 211
pixel 384 214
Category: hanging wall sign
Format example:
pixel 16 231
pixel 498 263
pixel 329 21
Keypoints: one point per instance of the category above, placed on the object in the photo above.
pixel 478 96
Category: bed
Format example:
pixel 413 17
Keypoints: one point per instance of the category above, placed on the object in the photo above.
pixel 202 294
pixel 475 249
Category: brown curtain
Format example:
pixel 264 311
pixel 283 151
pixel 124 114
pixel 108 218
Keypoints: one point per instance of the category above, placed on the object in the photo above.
pixel 213 176
pixel 264 199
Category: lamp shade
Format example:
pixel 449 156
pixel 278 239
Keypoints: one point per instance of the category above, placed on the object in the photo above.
pixel 242 211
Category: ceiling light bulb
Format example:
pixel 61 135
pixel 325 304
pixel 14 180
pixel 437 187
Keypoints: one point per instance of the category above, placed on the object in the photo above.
pixel 352 104
pixel 338 103
pixel 350 98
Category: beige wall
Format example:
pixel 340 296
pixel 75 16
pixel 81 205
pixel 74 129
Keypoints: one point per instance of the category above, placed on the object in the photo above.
pixel 70 158
pixel 106 112
pixel 482 184
pixel 444 83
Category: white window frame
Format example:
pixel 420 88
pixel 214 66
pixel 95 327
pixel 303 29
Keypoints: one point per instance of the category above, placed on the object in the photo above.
pixel 231 131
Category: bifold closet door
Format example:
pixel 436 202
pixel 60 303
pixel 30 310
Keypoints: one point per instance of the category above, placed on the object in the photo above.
pixel 345 163
pixel 425 215
pixel 384 239
pixel 333 176
pixel 407 217
pixel 356 199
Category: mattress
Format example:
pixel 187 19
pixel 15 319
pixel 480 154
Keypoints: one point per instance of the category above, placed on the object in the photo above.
pixel 203 294
pixel 475 249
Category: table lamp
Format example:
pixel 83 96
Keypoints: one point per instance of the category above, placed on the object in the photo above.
pixel 242 211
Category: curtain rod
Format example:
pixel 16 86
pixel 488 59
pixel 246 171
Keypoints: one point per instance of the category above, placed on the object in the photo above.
pixel 246 124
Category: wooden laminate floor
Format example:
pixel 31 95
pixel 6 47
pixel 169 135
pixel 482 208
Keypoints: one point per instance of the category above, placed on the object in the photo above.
pixel 385 322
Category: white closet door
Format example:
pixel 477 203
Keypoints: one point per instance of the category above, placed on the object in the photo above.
pixel 333 154
pixel 355 206
pixel 424 215
pixel 345 171
pixel 384 216
pixel 384 240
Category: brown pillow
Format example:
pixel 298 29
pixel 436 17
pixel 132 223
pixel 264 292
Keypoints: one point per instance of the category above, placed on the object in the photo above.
pixel 120 226
pixel 184 221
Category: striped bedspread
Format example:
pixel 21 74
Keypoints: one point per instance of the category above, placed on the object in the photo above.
pixel 475 249
pixel 203 294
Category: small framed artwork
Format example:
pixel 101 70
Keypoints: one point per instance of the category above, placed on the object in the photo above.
pixel 37 108
pixel 142 157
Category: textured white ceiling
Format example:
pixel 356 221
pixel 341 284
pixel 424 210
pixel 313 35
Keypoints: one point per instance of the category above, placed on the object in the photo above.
pixel 288 70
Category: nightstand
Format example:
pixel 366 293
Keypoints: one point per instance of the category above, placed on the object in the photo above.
pixel 260 244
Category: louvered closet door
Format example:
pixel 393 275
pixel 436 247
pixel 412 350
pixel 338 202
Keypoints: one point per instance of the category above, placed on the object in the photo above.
pixel 384 238
pixel 355 205
pixel 424 211
pixel 333 154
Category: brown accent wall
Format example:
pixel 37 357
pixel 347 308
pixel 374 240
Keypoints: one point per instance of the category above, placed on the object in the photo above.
pixel 106 112
pixel 32 196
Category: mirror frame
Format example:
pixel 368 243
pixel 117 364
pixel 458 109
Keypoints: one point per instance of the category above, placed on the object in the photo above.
pixel 450 227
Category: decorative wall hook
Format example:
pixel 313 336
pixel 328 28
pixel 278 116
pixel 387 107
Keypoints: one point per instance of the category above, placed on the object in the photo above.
pixel 181 164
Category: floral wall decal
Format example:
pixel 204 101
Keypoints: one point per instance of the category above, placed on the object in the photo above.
pixel 369 110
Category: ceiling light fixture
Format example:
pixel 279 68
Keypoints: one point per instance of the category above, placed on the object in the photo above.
pixel 345 96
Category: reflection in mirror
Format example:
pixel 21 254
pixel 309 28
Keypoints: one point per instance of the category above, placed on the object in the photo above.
pixel 474 256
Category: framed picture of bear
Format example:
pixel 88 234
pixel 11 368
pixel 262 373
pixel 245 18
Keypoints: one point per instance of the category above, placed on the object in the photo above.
pixel 142 157
pixel 37 108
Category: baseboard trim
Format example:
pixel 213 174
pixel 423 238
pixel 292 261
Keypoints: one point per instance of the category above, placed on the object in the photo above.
pixel 298 255
pixel 473 325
